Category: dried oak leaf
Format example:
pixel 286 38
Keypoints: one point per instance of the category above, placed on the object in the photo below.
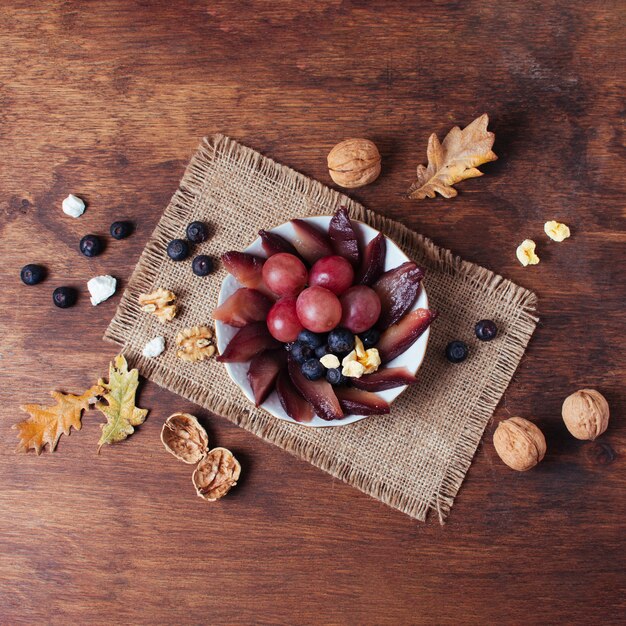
pixel 119 409
pixel 46 424
pixel 195 344
pixel 161 303
pixel 216 473
pixel 454 160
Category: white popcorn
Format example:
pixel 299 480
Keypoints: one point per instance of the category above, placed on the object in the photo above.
pixel 329 361
pixel 154 347
pixel 101 288
pixel 526 253
pixel 556 231
pixel 73 206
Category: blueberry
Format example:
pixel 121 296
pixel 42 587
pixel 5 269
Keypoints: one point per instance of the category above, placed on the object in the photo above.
pixel 311 339
pixel 486 330
pixel 321 351
pixel 197 232
pixel 340 340
pixel 202 265
pixel 370 338
pixel 121 230
pixel 64 297
pixel 90 245
pixel 456 351
pixel 32 274
pixel 178 250
pixel 300 352
pixel 313 369
pixel 335 377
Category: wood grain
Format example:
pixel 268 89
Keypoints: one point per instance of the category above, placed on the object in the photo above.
pixel 108 100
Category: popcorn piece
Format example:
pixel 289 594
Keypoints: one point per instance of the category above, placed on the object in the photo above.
pixel 73 206
pixel 371 361
pixel 154 347
pixel 526 253
pixel 556 231
pixel 161 302
pixel 101 288
pixel 353 369
pixel 359 347
pixel 330 361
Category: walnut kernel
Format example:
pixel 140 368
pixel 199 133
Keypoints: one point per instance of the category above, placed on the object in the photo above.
pixel 354 163
pixel 216 474
pixel 519 443
pixel 161 303
pixel 183 436
pixel 586 414
pixel 195 344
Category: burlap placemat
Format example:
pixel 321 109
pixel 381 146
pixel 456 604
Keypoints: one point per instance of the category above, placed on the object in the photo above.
pixel 414 459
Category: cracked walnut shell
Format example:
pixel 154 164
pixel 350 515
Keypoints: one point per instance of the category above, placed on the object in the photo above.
pixel 354 163
pixel 216 474
pixel 586 414
pixel 161 303
pixel 519 443
pixel 183 436
pixel 195 344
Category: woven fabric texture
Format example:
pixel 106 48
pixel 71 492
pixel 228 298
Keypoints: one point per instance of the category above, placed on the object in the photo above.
pixel 414 459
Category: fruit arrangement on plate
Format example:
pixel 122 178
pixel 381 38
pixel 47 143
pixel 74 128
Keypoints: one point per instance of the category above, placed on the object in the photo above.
pixel 322 321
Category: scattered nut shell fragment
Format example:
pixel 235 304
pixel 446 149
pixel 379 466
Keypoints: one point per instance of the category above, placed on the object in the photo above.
pixel 161 303
pixel 195 344
pixel 185 438
pixel 586 414
pixel 354 163
pixel 216 474
pixel 519 443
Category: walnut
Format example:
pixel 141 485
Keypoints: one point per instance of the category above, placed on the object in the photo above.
pixel 161 303
pixel 195 344
pixel 216 474
pixel 354 163
pixel 519 443
pixel 586 414
pixel 183 436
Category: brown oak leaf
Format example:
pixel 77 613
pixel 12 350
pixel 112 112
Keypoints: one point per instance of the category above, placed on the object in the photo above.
pixel 46 424
pixel 454 160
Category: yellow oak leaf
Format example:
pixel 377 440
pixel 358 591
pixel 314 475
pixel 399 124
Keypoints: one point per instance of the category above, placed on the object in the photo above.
pixel 119 409
pixel 46 424
pixel 454 160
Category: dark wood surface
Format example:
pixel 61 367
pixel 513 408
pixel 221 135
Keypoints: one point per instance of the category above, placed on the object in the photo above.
pixel 108 100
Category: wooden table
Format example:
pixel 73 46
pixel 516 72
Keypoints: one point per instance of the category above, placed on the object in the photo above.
pixel 108 100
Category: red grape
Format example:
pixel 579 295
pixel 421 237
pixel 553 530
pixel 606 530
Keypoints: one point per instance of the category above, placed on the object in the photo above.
pixel 332 272
pixel 319 309
pixel 360 308
pixel 285 274
pixel 282 320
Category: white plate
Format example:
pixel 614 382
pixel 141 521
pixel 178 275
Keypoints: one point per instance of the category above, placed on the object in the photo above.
pixel 411 358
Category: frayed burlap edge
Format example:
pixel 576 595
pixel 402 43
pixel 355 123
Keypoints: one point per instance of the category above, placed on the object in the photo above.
pixel 258 421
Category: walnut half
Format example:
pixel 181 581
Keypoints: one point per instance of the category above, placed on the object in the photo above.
pixel 195 344
pixel 216 474
pixel 161 303
pixel 183 436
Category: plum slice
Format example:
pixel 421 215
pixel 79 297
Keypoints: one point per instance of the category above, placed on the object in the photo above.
pixel 401 336
pixel 263 372
pixel 291 399
pixel 385 378
pixel 247 270
pixel 372 260
pixel 319 393
pixel 244 306
pixel 311 242
pixel 359 402
pixel 273 244
pixel 248 342
pixel 397 290
pixel 342 236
